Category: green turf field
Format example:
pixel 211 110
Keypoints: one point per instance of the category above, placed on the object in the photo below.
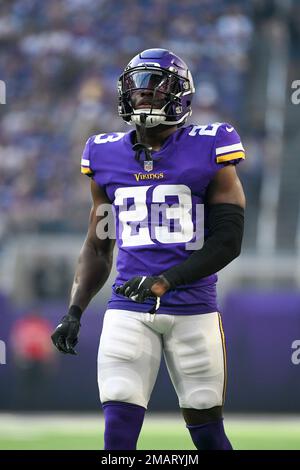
pixel 159 432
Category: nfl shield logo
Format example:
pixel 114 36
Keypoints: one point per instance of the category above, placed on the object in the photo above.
pixel 148 165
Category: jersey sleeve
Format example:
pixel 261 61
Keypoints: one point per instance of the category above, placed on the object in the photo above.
pixel 86 163
pixel 228 146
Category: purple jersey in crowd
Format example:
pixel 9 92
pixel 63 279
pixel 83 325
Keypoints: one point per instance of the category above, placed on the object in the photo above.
pixel 151 241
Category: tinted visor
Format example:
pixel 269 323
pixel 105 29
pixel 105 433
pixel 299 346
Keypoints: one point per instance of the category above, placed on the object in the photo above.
pixel 152 80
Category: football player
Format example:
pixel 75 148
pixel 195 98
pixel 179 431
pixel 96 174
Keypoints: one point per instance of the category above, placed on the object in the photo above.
pixel 164 296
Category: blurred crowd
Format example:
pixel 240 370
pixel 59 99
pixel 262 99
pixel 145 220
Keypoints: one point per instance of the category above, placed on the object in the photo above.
pixel 60 61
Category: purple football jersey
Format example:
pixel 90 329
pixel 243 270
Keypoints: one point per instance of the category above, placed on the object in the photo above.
pixel 151 241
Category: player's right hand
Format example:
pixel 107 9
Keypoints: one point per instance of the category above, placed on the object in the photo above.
pixel 65 336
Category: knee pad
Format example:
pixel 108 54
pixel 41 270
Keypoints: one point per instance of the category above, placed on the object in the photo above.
pixel 117 389
pixel 204 397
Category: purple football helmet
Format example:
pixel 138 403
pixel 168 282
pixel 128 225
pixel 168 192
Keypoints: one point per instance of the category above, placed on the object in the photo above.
pixel 164 75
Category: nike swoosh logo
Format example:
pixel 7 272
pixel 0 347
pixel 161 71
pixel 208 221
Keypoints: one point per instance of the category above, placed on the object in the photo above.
pixel 229 129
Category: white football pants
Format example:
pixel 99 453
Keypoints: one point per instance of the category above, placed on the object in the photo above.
pixel 130 351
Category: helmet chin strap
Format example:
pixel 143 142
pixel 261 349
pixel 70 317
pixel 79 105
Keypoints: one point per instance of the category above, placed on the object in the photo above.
pixel 140 147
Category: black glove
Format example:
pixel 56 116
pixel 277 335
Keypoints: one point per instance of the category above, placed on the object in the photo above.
pixel 65 336
pixel 138 288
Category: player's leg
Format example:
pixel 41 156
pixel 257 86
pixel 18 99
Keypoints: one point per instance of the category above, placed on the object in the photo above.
pixel 128 362
pixel 208 431
pixel 196 359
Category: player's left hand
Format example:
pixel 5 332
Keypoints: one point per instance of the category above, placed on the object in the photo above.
pixel 140 288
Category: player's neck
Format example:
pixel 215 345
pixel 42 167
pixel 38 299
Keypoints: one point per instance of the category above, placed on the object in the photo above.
pixel 155 136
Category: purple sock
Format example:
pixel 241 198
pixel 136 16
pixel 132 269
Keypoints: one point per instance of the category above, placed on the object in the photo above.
pixel 123 423
pixel 210 436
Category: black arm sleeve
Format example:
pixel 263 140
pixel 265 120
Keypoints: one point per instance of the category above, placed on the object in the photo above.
pixel 223 244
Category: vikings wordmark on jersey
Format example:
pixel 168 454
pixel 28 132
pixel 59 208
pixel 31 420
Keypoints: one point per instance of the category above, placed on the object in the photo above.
pixel 179 176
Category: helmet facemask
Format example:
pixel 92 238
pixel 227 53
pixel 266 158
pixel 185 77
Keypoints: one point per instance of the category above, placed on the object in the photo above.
pixel 163 106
